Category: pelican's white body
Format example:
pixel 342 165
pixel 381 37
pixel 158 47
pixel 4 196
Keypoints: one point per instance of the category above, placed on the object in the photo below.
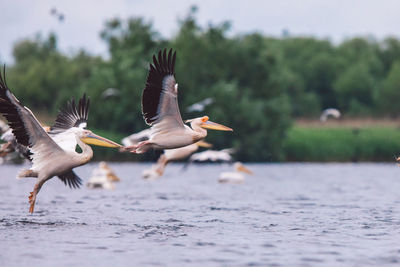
pixel 231 177
pixel 102 177
pixel 213 155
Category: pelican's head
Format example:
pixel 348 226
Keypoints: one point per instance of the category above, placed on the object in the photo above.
pixel 241 168
pixel 205 123
pixel 90 138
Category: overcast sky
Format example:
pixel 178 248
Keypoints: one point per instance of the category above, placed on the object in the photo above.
pixel 84 19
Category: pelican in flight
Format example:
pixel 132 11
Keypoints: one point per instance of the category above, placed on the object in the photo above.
pixel 329 112
pixel 53 153
pixel 169 155
pixel 235 177
pixel 161 111
pixel 213 155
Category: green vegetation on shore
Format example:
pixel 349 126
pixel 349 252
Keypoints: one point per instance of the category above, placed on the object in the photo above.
pixel 322 144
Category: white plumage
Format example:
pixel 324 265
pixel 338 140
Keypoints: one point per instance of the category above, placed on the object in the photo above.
pixel 213 155
pixel 103 177
pixel 235 177
pixel 329 112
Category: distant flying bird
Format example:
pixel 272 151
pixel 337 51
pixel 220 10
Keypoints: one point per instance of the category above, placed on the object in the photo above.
pixel 200 106
pixel 213 155
pixel 235 177
pixel 161 111
pixel 183 152
pixel 169 155
pixel 110 92
pixel 54 12
pixel 52 154
pixel 333 112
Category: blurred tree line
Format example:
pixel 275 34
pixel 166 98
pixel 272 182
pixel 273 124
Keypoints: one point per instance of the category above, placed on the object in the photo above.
pixel 258 83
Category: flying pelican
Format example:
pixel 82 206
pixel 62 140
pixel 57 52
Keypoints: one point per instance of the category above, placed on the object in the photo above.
pixel 110 92
pixel 169 155
pixel 183 152
pixel 200 106
pixel 213 155
pixel 52 154
pixel 333 112
pixel 161 111
pixel 234 177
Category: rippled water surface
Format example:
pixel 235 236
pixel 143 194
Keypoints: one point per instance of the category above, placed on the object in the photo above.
pixel 284 215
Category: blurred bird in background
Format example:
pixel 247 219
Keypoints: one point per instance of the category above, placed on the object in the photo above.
pixel 235 177
pixel 329 112
pixel 103 177
pixel 169 155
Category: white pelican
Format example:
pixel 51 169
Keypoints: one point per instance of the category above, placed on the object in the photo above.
pixel 102 177
pixel 200 106
pixel 213 155
pixel 161 111
pixel 169 155
pixel 234 177
pixel 333 112
pixel 52 154
pixel 110 92
pixel 183 152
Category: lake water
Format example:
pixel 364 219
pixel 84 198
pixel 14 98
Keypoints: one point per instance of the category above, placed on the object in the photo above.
pixel 284 215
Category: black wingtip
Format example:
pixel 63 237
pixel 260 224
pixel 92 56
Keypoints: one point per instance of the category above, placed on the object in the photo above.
pixel 163 65
pixel 72 115
pixel 3 82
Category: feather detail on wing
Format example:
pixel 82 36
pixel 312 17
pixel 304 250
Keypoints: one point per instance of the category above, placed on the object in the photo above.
pixel 160 96
pixel 71 179
pixel 72 116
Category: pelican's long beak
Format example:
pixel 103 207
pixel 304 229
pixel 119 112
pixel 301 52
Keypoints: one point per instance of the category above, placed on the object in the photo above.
pixel 244 169
pixel 215 126
pixel 204 144
pixel 96 140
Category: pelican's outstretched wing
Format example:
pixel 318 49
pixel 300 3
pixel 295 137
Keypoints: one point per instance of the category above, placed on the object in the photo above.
pixel 24 125
pixel 71 179
pixel 72 116
pixel 26 128
pixel 160 96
